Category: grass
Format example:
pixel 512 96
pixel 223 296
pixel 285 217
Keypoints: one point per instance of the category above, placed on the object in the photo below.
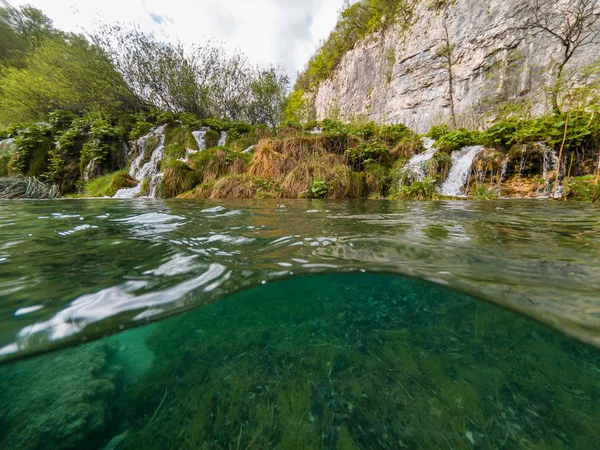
pixel 26 187
pixel 236 186
pixel 108 185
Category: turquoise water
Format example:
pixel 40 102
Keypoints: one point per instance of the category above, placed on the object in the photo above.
pixel 371 325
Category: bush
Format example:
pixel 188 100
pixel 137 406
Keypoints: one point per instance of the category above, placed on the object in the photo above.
pixel 367 153
pixel 455 140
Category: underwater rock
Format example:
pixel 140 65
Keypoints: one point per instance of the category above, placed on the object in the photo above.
pixel 59 400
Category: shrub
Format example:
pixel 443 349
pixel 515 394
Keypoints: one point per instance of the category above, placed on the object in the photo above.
pixel 367 153
pixel 317 189
pixel 455 140
pixel 482 192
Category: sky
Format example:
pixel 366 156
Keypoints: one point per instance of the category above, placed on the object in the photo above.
pixel 280 32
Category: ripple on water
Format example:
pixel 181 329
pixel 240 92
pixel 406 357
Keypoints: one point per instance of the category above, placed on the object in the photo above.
pixel 65 279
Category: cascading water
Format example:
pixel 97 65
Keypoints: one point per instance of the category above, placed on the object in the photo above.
pixel 502 175
pixel 550 161
pixel 223 139
pixel 462 162
pixel 199 136
pixel 416 167
pixel 146 167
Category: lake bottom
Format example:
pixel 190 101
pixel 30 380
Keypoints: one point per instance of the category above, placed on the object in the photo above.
pixel 324 362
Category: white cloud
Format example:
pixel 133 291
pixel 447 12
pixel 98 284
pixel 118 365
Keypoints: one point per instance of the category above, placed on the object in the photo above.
pixel 284 32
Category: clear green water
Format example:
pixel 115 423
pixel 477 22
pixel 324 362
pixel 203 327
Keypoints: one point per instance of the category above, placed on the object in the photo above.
pixel 295 326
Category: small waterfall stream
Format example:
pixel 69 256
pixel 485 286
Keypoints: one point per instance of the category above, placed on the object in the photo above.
pixel 462 162
pixel 416 167
pixel 223 139
pixel 146 167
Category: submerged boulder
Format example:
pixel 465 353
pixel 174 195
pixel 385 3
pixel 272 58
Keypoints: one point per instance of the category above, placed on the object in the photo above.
pixel 61 400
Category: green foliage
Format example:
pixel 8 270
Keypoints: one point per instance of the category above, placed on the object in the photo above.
pixel 582 189
pixel 177 179
pixel 297 108
pixel 437 131
pixel 457 139
pixel 419 190
pixel 139 129
pixel 317 189
pixel 581 130
pixel 367 153
pixel 482 192
pixel 32 145
pixel 108 185
pixel 62 73
pixel 376 180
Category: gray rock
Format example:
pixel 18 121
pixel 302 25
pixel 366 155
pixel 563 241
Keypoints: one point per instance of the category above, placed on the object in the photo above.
pixel 497 61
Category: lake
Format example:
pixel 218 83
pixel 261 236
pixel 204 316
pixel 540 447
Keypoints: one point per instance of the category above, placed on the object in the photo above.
pixel 299 324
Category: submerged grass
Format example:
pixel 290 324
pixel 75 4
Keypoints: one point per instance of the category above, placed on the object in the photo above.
pixel 26 187
pixel 372 362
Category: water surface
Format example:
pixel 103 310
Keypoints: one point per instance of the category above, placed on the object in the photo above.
pixel 76 270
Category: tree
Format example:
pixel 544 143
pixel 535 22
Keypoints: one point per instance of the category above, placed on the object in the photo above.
pixel 269 91
pixel 571 23
pixel 446 51
pixel 63 73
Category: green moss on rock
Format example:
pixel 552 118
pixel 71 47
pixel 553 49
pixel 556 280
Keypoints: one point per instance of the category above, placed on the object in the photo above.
pixel 177 179
pixel 108 185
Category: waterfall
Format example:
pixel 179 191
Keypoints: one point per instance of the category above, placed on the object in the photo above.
pixel 458 176
pixel 550 162
pixel 89 170
pixel 416 167
pixel 549 171
pixel 200 140
pixel 145 166
pixel 502 175
pixel 223 139
pixel 199 136
pixel 7 145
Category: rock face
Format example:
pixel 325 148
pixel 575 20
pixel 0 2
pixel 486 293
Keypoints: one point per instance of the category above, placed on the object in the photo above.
pixel 397 76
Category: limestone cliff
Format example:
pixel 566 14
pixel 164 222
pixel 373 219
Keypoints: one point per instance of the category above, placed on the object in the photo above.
pixel 396 75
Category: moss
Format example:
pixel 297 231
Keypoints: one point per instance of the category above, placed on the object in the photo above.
pixel 145 187
pixel 177 179
pixel 212 138
pixel 108 185
pixel 181 136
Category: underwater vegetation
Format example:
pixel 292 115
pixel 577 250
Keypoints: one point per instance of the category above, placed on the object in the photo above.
pixel 324 362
